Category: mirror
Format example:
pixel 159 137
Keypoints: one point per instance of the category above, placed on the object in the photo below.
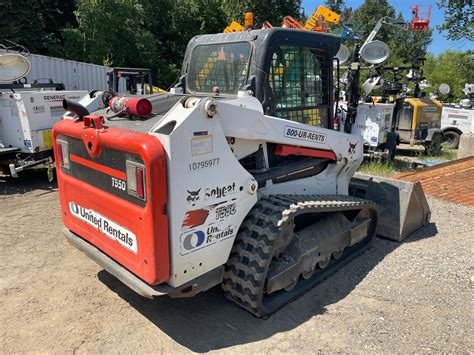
pixel 444 89
pixel 375 52
pixel 13 66
pixel 342 54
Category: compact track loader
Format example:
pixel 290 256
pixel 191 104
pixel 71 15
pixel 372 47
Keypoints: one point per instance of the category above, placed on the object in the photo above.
pixel 237 177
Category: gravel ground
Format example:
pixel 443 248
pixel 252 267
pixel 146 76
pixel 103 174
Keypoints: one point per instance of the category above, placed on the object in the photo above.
pixel 410 297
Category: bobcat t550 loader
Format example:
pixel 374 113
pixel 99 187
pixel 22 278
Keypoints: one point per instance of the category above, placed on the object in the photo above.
pixel 235 179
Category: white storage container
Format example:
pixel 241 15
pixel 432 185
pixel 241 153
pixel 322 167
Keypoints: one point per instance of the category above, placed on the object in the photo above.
pixel 74 75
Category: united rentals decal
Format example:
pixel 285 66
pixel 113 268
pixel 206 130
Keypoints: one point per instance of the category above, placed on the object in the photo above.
pixel 194 240
pixel 107 227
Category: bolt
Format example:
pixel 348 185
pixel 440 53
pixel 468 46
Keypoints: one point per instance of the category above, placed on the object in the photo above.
pixel 252 186
pixel 211 108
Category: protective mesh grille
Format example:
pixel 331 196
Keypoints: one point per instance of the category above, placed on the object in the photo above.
pixel 299 81
pixel 224 66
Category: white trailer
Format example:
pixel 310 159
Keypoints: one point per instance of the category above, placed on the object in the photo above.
pixel 457 119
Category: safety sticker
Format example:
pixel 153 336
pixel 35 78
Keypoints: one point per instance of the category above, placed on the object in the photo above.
pixel 201 145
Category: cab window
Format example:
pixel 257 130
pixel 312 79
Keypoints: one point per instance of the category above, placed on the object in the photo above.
pixel 298 81
pixel 223 66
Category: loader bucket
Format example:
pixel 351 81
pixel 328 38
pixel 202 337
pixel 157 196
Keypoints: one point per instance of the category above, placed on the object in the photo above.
pixel 403 208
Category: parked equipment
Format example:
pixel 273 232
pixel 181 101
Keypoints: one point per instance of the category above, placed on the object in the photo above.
pixel 457 119
pixel 373 123
pixel 418 121
pixel 132 81
pixel 236 179
pixel 43 70
pixel 26 120
pixel 413 120
pixel 28 112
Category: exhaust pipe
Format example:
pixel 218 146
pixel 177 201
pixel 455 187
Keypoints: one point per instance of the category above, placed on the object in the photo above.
pixel 76 108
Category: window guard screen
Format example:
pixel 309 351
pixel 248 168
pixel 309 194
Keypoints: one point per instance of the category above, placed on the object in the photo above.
pixel 298 80
pixel 223 65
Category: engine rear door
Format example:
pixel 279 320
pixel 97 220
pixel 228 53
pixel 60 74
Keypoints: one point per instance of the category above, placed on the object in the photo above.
pixel 112 185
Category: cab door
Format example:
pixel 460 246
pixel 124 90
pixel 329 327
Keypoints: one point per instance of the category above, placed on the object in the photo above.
pixel 299 84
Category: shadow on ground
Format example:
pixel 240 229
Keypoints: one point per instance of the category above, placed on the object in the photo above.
pixel 28 180
pixel 210 322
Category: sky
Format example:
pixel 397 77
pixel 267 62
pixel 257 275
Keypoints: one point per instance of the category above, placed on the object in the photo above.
pixel 439 44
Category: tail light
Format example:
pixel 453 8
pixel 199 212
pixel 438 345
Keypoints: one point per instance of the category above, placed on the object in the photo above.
pixel 136 179
pixel 63 154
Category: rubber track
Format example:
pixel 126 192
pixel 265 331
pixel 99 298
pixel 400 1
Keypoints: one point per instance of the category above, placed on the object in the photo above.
pixel 251 255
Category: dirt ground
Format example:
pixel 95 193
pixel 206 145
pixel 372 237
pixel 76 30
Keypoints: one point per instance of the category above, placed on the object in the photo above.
pixel 414 296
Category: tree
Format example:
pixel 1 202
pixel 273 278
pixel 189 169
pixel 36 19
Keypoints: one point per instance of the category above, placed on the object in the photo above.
pixel 55 15
pixel 37 25
pixel 458 19
pixel 337 6
pixel 450 67
pixel 366 16
pixel 408 45
pixel 264 10
pixel 129 32
pixel 110 32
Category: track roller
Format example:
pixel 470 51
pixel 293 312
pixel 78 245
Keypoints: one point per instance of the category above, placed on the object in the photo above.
pixel 288 244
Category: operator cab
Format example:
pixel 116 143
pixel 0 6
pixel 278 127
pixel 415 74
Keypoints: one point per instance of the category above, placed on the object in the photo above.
pixel 288 71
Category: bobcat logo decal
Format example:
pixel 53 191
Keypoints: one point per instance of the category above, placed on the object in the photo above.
pixel 352 148
pixel 193 195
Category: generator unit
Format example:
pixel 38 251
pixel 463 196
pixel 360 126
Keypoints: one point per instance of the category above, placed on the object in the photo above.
pixel 26 121
pixel 373 123
pixel 418 120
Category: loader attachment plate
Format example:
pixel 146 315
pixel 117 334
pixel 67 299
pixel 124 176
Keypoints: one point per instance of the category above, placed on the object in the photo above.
pixel 403 207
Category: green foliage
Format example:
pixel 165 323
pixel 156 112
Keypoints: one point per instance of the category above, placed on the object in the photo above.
pixel 452 68
pixel 337 6
pixel 37 25
pixel 154 33
pixel 366 16
pixel 406 45
pixel 264 10
pixel 379 168
pixel 458 19
pixel 106 36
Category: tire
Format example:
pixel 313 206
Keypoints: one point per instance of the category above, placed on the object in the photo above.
pixel 452 138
